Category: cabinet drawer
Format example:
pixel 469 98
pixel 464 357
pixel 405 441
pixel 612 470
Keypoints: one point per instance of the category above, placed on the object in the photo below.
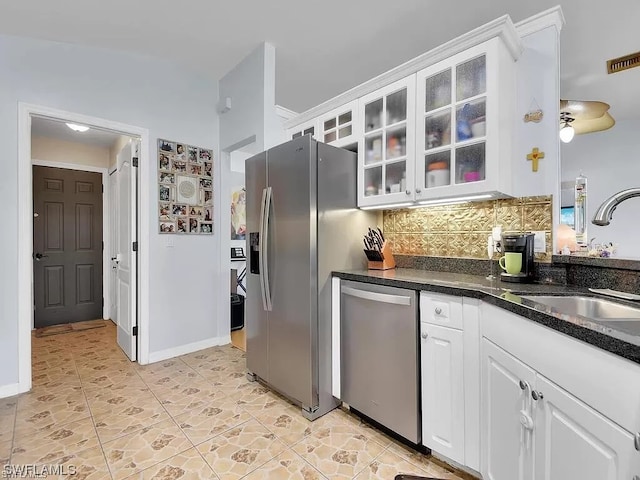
pixel 439 309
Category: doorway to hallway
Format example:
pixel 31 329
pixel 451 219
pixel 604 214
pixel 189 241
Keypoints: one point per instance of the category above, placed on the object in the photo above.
pixel 132 305
pixel 67 245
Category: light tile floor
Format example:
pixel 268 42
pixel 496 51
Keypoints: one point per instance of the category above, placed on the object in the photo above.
pixel 193 417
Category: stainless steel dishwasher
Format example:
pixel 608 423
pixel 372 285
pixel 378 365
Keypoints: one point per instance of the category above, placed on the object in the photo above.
pixel 379 355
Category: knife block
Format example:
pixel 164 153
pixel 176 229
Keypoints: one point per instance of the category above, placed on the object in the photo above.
pixel 387 263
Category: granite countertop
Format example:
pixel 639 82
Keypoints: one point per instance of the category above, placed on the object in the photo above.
pixel 510 296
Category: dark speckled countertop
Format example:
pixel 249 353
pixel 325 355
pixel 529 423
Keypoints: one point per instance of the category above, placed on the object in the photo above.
pixel 510 297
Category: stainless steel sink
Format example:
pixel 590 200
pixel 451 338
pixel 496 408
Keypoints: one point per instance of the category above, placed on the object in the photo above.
pixel 593 308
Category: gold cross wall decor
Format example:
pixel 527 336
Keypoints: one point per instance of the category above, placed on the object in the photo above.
pixel 534 156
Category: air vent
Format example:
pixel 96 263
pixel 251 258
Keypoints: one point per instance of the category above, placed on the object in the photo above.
pixel 616 65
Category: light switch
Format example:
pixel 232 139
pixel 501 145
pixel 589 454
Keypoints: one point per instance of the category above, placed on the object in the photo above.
pixel 539 242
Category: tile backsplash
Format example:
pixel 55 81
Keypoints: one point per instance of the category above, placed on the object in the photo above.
pixel 461 230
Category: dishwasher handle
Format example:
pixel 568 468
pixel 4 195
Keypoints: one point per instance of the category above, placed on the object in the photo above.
pixel 377 297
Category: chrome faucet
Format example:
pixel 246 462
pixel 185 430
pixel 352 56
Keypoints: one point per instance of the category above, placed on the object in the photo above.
pixel 605 211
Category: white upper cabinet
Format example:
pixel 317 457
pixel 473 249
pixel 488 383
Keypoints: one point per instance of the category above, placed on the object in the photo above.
pixel 307 128
pixel 386 148
pixel 464 112
pixel 338 127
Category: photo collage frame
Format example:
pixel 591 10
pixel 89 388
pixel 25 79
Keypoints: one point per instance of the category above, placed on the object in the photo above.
pixel 185 188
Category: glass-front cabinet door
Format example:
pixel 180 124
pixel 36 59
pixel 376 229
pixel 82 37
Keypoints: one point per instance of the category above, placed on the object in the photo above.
pixel 338 127
pixel 308 128
pixel 386 145
pixel 454 122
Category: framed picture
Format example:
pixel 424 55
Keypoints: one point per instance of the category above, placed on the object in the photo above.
pixel 238 213
pixel 185 188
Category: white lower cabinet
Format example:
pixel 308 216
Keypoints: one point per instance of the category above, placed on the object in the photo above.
pixel 507 444
pixel 532 428
pixel 443 391
pixel 450 377
pixel 575 441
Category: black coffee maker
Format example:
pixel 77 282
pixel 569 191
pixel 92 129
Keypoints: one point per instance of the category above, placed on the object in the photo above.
pixel 519 243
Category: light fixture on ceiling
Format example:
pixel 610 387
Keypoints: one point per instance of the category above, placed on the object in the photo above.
pixel 566 130
pixel 77 128
pixel 585 116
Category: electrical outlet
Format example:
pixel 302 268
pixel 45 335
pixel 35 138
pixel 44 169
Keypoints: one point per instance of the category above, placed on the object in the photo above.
pixel 539 242
pixel 496 234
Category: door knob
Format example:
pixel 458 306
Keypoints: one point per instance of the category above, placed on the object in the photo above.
pixel 38 256
pixel 425 335
pixel 536 395
pixel 523 385
pixel 438 310
pixel 418 190
pixel 408 192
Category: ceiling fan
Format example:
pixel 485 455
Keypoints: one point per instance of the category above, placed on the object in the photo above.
pixel 583 116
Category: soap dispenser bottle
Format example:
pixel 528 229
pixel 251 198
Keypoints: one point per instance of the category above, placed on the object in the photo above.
pixel 580 211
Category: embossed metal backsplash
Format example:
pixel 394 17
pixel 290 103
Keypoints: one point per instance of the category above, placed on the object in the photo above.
pixel 462 230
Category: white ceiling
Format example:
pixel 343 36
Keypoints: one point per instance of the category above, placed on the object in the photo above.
pixel 328 47
pixel 44 127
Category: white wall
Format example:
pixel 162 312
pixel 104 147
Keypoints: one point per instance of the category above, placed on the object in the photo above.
pixel 146 92
pixel 62 151
pixel 251 126
pixel 115 149
pixel 611 162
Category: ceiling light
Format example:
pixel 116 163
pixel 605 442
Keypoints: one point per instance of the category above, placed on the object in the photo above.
pixel 566 130
pixel 77 128
pixel 566 133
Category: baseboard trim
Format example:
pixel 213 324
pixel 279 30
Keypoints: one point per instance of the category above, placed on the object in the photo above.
pixel 188 348
pixel 9 390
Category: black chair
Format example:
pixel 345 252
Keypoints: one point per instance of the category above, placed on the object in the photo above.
pixel 413 477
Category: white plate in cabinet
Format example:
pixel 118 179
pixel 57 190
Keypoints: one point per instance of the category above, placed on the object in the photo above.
pixel 310 127
pixel 440 309
pixel 443 416
pixel 339 127
pixel 464 112
pixel 386 146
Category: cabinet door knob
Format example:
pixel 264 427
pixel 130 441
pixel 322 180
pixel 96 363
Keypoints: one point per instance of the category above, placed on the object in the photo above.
pixel 438 310
pixel 536 395
pixel 408 192
pixel 418 190
pixel 523 385
pixel 636 441
pixel 425 335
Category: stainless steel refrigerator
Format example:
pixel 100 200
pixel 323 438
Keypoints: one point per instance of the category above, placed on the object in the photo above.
pixel 302 223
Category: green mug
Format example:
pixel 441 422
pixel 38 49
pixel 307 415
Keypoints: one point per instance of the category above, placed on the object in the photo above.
pixel 511 262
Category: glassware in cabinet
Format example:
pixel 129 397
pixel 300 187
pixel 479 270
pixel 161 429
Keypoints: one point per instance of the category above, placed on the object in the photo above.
pixel 387 119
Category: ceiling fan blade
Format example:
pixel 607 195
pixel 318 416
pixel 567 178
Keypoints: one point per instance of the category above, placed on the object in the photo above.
pixel 584 109
pixel 590 125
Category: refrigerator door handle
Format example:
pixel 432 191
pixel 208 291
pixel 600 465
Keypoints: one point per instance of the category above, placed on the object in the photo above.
pixel 377 297
pixel 265 246
pixel 262 249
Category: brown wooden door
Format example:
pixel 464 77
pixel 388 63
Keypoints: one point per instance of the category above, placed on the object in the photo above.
pixel 67 246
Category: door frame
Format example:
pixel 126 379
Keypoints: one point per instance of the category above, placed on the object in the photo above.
pixel 25 228
pixel 106 226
